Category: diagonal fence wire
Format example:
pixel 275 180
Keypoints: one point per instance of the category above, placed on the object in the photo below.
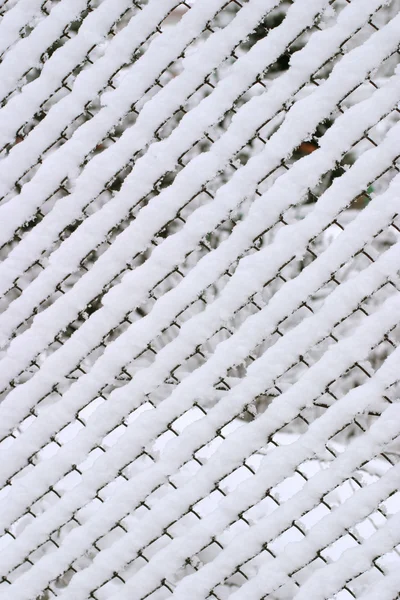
pixel 199 279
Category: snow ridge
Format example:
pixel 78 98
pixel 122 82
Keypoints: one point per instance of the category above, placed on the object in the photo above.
pixel 199 299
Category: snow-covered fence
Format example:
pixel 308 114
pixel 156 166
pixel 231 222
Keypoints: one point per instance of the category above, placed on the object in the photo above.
pixel 199 328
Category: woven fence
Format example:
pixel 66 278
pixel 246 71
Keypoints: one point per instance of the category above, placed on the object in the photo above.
pixel 199 299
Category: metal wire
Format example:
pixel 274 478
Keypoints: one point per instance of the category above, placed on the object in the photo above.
pixel 358 374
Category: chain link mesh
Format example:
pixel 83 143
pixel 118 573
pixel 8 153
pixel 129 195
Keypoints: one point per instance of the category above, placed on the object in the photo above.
pixel 137 528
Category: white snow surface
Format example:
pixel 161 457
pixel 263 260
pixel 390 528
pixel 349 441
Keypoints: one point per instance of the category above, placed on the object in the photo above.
pixel 199 300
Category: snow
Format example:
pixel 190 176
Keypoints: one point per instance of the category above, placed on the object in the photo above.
pixel 111 559
pixel 28 51
pixel 86 86
pixel 21 15
pixel 158 109
pixel 18 403
pixel 154 113
pixel 185 469
pixel 169 45
pixel 352 562
pixel 296 554
pixel 385 589
pixel 334 361
pixel 152 219
pixel 21 108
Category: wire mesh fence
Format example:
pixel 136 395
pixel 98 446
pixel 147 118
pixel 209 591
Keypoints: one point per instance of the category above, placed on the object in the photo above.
pixel 200 300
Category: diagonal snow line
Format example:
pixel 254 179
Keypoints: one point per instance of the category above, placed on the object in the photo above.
pixel 40 431
pixel 366 283
pixel 110 207
pixel 340 311
pixel 164 49
pixel 175 554
pixel 94 28
pixel 16 305
pixel 322 534
pixel 28 51
pixel 248 544
pixel 87 187
pixel 10 410
pixel 352 563
pixel 379 272
pixel 87 85
pixel 251 542
pixel 228 456
pixel 197 175
pixel 385 589
pixel 21 15
pixel 69 307
pixel 242 75
pixel 224 412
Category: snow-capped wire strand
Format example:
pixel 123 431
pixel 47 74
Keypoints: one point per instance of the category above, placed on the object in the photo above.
pixel 23 14
pixel 21 347
pixel 338 358
pixel 20 109
pixel 375 159
pixel 195 375
pixel 29 50
pixel 376 274
pixel 162 51
pixel 159 108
